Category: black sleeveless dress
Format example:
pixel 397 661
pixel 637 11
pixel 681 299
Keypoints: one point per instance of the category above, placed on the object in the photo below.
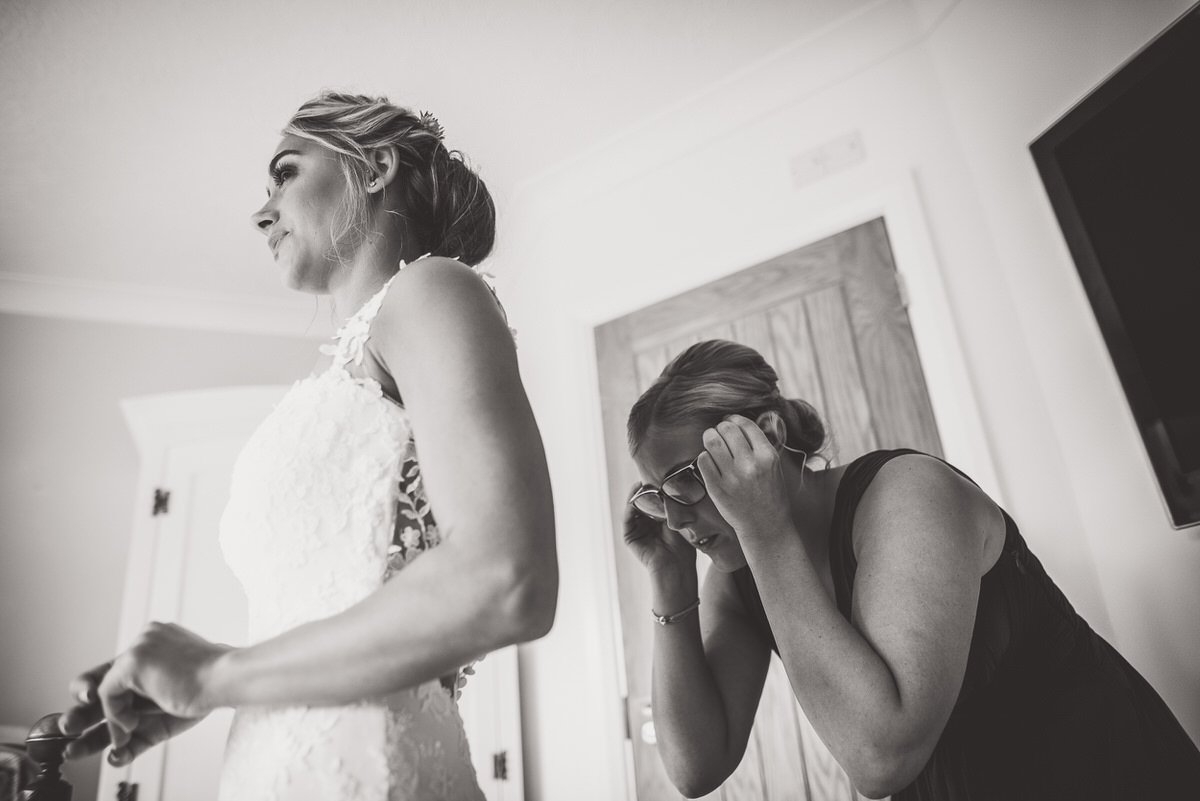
pixel 1048 709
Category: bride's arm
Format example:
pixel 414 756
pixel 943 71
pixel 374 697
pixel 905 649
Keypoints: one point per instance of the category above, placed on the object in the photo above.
pixel 493 581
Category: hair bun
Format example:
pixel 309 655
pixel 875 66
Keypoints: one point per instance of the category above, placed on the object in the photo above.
pixel 805 425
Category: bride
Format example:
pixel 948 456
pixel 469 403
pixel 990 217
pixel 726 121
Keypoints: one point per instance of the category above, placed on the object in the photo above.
pixel 374 578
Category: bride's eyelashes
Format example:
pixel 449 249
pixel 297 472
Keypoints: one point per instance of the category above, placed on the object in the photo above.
pixel 281 173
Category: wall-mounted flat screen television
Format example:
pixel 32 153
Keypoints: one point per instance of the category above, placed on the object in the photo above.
pixel 1122 171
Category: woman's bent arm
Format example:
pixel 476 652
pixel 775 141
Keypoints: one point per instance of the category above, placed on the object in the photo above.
pixel 880 687
pixel 708 675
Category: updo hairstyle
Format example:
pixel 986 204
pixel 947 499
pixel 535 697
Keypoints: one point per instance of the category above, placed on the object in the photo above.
pixel 447 208
pixel 714 379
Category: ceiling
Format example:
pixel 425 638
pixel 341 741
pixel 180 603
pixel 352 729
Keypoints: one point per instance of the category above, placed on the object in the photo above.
pixel 134 134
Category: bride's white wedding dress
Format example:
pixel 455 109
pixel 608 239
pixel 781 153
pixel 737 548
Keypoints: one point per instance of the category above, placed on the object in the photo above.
pixel 311 529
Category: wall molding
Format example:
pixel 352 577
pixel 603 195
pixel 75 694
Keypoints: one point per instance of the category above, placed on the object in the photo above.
pixel 161 307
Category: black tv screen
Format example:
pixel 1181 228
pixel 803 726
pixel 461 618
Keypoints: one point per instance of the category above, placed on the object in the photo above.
pixel 1122 171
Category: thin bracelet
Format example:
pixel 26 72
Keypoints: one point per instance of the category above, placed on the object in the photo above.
pixel 666 620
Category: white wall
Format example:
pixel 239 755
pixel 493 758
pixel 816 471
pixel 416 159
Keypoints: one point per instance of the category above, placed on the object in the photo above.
pixel 703 190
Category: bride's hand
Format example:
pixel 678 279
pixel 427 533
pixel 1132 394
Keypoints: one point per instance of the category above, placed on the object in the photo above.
pixel 163 679
pixel 85 720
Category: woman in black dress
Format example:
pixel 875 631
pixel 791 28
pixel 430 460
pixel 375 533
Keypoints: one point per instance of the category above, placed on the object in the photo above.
pixel 927 646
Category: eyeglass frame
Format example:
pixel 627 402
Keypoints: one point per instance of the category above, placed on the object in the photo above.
pixel 649 490
pixel 694 467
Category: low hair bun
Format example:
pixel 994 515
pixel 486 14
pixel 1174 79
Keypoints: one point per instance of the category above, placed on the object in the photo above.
pixel 462 219
pixel 805 428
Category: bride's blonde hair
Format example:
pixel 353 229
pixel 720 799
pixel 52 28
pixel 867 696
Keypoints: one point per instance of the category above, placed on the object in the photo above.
pixel 446 206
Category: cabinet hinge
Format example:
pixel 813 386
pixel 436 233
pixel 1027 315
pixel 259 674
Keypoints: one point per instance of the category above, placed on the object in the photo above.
pixel 500 765
pixel 162 502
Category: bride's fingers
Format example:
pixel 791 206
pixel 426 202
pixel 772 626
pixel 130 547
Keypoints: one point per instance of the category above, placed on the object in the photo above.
pixel 149 733
pixel 84 686
pixel 117 699
pixel 137 745
pixel 78 719
pixel 90 742
pixel 144 706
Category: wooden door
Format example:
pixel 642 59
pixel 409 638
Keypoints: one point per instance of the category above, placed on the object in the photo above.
pixel 830 318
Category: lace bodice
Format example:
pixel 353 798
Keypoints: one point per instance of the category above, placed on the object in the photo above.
pixel 310 530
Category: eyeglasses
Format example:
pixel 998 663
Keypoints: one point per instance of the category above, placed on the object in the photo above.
pixel 684 486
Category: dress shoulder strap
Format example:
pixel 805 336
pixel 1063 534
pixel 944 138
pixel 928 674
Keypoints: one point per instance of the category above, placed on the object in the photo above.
pixel 350 340
pixel 489 281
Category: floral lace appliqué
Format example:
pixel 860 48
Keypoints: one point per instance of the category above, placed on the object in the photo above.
pixel 350 341
pixel 416 529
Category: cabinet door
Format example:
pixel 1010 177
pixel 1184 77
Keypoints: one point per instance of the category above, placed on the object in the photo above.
pixel 491 711
pixel 188 443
